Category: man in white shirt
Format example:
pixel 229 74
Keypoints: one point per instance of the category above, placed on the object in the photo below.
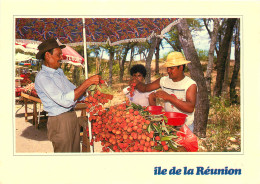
pixel 178 91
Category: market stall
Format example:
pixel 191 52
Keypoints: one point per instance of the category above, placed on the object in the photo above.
pixel 128 127
pixel 109 31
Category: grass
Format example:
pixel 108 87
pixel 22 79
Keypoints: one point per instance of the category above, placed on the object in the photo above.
pixel 223 129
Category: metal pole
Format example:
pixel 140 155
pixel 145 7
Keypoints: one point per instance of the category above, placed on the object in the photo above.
pixel 86 76
pixel 85 49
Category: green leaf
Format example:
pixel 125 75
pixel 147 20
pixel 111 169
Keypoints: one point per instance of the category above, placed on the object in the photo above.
pixel 165 119
pixel 92 87
pixel 158 147
pixel 144 113
pixel 164 128
pixel 152 127
pixel 170 127
pixel 92 93
pixel 149 127
pixel 138 107
pixel 156 119
pixel 157 129
pixel 172 146
pixel 99 88
pixel 130 107
pixel 168 138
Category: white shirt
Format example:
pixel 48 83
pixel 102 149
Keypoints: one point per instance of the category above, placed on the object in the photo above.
pixel 179 89
pixel 138 98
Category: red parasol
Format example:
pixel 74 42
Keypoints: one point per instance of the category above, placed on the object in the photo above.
pixel 70 54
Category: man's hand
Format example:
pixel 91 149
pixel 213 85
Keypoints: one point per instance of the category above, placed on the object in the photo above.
pixel 95 79
pixel 163 95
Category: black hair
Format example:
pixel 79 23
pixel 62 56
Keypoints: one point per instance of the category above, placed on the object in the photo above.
pixel 50 51
pixel 138 68
pixel 183 67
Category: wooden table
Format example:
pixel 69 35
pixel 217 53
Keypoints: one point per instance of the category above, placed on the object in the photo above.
pixel 35 100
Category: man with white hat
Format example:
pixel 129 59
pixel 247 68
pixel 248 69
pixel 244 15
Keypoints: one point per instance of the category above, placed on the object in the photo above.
pixel 178 91
pixel 59 97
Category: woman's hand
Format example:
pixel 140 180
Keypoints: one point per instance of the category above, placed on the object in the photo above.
pixel 133 82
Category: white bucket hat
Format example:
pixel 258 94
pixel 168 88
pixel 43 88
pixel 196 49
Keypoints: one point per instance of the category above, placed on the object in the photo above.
pixel 175 59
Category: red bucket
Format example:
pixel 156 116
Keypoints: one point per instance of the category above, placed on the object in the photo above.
pixel 175 118
pixel 155 109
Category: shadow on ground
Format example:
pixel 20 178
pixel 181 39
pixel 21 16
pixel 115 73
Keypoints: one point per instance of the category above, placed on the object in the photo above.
pixel 20 115
pixel 39 134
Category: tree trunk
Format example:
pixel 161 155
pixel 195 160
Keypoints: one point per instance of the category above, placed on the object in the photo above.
pixel 213 42
pixel 176 46
pixel 157 55
pixel 111 59
pixel 122 63
pixel 233 95
pixel 223 54
pixel 76 76
pixel 100 59
pixel 202 102
pixel 149 60
pixel 131 59
pixel 226 75
pixel 97 64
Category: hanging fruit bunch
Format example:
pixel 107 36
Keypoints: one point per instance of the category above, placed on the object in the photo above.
pixel 96 99
pixel 131 89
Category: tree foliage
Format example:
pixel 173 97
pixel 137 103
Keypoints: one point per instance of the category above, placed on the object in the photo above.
pixel 172 37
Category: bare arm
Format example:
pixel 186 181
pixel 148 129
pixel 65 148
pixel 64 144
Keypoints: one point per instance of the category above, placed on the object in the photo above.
pixel 83 87
pixel 152 99
pixel 186 106
pixel 146 87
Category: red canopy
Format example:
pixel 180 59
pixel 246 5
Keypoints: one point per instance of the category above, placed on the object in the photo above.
pixel 98 30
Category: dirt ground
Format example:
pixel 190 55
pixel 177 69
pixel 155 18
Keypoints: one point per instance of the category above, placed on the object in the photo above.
pixel 28 138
